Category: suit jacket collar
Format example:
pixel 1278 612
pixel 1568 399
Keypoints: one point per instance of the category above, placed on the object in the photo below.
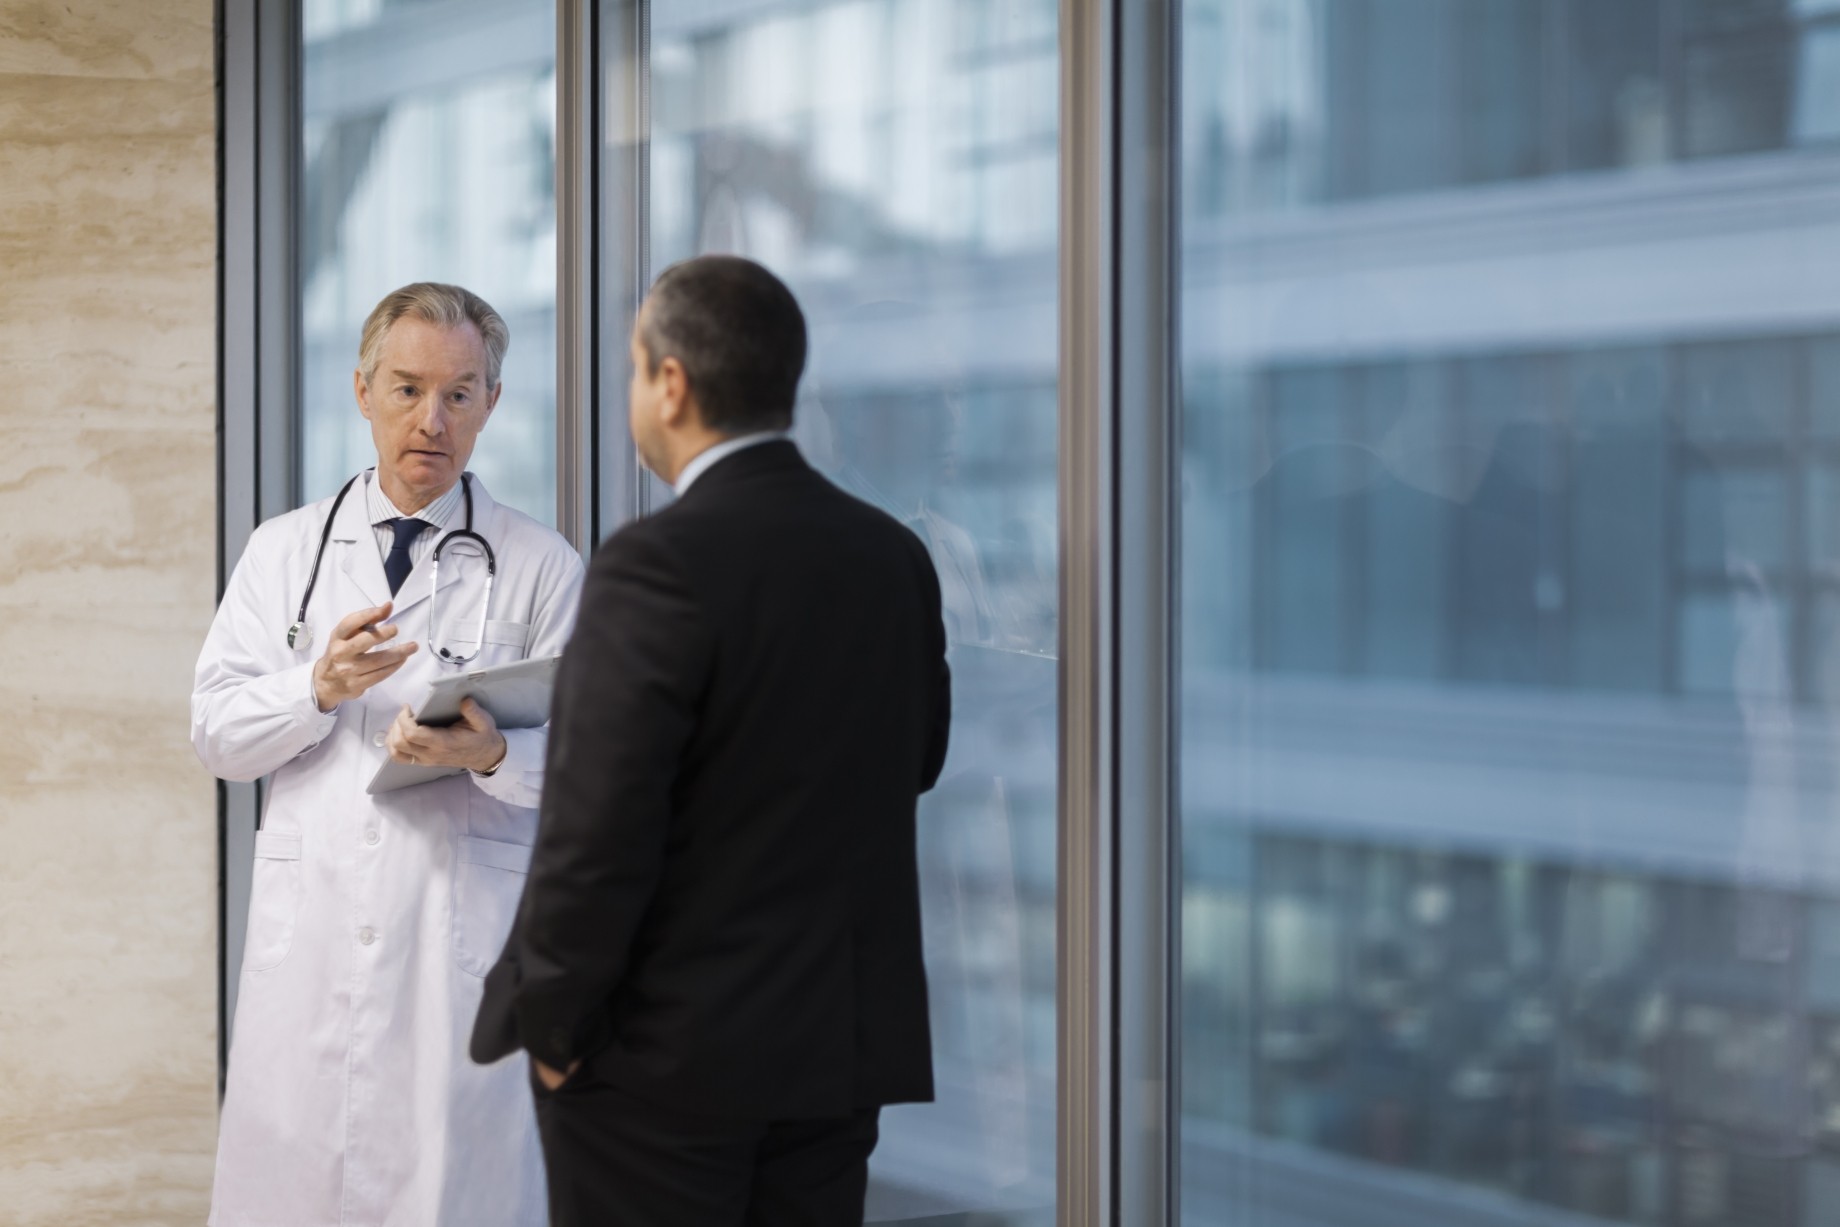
pixel 779 456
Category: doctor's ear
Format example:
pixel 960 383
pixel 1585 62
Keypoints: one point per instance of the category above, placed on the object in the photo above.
pixel 362 391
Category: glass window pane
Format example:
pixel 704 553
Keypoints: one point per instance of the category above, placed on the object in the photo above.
pixel 1821 531
pixel 1509 581
pixel 1740 392
pixel 1817 95
pixel 1507 866
pixel 1616 105
pixel 1286 102
pixel 429 167
pixel 1406 603
pixel 1503 88
pixel 1618 589
pixel 1735 518
pixel 1824 388
pixel 1314 466
pixel 1737 91
pixel 896 162
pixel 1403 133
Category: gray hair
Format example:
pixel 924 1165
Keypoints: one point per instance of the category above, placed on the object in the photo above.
pixel 447 306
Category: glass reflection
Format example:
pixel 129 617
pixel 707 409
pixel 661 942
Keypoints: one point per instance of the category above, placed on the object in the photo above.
pixel 896 162
pixel 428 153
pixel 1511 789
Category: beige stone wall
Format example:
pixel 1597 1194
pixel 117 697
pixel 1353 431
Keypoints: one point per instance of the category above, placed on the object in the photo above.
pixel 108 861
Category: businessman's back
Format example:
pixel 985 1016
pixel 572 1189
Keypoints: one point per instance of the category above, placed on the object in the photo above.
pixel 777 972
pixel 722 919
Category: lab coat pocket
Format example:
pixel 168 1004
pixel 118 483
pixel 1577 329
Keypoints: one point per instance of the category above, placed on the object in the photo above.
pixel 508 634
pixel 488 882
pixel 502 642
pixel 274 900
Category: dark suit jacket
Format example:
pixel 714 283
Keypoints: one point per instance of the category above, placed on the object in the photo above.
pixel 723 909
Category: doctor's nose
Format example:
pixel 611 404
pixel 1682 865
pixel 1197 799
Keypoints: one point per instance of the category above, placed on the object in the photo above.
pixel 431 418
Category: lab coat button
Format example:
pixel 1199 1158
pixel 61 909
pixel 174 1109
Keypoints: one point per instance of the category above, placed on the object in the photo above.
pixel 377 740
pixel 371 837
pixel 367 935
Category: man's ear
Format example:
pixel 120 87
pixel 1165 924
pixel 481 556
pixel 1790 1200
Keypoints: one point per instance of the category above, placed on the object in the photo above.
pixel 362 391
pixel 676 407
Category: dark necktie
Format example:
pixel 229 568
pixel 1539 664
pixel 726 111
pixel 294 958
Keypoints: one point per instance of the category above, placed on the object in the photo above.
pixel 397 564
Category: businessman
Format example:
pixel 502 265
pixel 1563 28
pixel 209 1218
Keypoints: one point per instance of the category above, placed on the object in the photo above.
pixel 716 966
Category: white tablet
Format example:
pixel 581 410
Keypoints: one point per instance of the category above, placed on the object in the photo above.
pixel 517 695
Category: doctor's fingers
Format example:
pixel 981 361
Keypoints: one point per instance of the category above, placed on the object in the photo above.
pixel 358 619
pixel 361 674
pixel 360 663
pixel 476 718
pixel 411 735
pixel 362 642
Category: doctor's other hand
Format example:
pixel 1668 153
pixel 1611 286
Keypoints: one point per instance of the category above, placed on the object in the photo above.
pixel 350 667
pixel 474 743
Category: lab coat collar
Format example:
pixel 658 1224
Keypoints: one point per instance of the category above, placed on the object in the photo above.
pixel 359 558
pixel 363 561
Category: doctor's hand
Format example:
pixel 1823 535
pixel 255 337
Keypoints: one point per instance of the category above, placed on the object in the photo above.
pixel 475 743
pixel 350 667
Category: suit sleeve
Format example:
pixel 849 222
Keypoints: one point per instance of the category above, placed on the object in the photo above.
pixel 624 711
pixel 940 727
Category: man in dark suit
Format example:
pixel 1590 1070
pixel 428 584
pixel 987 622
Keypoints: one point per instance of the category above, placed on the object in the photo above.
pixel 716 966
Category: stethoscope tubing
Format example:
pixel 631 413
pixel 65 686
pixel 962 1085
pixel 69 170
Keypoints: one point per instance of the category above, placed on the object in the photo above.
pixel 434 581
pixel 299 637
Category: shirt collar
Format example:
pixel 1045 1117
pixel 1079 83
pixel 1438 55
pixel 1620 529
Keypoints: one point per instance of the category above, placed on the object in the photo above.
pixel 437 513
pixel 706 460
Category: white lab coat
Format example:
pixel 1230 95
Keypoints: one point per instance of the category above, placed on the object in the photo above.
pixel 373 920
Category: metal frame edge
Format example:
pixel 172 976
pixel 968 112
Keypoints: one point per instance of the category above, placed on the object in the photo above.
pixel 577 342
pixel 1085 1117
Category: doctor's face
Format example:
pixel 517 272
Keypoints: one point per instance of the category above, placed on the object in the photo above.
pixel 426 402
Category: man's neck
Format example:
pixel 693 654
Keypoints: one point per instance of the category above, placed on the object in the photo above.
pixel 405 500
pixel 688 449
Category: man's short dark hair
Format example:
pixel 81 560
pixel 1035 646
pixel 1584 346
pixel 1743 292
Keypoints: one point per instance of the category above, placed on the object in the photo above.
pixel 739 335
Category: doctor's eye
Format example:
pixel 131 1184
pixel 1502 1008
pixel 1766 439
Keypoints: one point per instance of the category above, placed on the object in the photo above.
pixel 407 390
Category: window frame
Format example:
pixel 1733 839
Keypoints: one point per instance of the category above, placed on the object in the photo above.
pixel 1118 851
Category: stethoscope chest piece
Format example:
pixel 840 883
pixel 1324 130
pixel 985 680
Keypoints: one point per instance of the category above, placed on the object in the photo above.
pixel 300 636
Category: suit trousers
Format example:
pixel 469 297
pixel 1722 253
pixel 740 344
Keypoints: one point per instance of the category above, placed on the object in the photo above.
pixel 616 1161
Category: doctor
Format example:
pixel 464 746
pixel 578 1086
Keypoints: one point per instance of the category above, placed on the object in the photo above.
pixel 372 920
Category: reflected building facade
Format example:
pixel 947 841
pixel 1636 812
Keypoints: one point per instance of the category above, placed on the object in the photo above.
pixel 1512 831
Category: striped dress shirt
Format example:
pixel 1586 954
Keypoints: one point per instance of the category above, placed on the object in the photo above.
pixel 444 513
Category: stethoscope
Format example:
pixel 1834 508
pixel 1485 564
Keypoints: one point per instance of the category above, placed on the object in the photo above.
pixel 300 635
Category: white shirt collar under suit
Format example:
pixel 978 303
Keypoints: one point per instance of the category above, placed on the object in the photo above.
pixel 704 461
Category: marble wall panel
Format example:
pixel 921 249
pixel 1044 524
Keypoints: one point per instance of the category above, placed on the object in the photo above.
pixel 108 845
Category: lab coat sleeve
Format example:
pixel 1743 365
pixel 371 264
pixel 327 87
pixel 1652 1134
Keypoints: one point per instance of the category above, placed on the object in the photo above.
pixel 519 778
pixel 249 717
